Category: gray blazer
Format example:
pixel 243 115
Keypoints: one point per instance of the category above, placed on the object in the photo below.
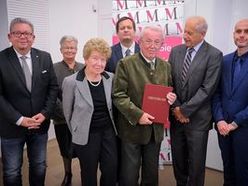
pixel 194 96
pixel 78 104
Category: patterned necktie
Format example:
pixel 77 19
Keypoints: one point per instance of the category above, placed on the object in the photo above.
pixel 187 62
pixel 128 52
pixel 27 73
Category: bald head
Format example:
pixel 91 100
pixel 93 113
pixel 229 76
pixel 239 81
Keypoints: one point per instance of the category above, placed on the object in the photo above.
pixel 240 36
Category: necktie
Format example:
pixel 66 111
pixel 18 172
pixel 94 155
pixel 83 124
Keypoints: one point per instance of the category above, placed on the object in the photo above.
pixel 237 69
pixel 187 62
pixel 27 73
pixel 152 64
pixel 128 52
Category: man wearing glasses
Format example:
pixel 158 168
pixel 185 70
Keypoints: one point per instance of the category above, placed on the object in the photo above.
pixel 140 136
pixel 28 92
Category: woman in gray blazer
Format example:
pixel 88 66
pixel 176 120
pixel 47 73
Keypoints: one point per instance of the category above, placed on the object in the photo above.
pixel 87 107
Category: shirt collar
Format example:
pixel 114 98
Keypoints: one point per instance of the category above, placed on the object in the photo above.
pixel 125 48
pixel 197 47
pixel 28 55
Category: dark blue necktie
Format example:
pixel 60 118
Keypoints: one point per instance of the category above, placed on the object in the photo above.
pixel 237 69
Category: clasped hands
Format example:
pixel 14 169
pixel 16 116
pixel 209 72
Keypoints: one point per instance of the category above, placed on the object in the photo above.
pixel 225 128
pixel 33 122
pixel 147 119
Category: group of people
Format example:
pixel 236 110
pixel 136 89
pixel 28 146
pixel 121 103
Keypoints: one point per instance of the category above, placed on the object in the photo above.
pixel 92 104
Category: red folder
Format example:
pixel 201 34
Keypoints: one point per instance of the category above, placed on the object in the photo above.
pixel 156 104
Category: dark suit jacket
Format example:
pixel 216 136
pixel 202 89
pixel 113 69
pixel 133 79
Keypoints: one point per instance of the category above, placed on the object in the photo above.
pixel 116 56
pixel 231 103
pixel 16 100
pixel 194 96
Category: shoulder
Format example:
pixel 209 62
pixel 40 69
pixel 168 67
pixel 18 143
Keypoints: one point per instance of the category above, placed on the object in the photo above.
pixel 39 52
pixel 107 75
pixel 211 49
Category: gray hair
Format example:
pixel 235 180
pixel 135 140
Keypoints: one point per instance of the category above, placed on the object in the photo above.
pixel 153 28
pixel 201 24
pixel 68 38
pixel 20 20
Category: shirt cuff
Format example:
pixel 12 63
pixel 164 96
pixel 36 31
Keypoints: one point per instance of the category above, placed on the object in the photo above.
pixel 19 121
pixel 234 124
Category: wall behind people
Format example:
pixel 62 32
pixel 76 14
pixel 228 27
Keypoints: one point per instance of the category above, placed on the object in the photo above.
pixel 78 18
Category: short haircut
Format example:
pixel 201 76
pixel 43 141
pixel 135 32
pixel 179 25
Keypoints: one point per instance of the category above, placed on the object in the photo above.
pixel 154 28
pixel 20 20
pixel 123 19
pixel 96 44
pixel 67 38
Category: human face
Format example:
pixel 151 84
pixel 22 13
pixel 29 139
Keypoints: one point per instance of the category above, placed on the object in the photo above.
pixel 96 63
pixel 191 36
pixel 21 37
pixel 126 31
pixel 150 43
pixel 240 34
pixel 69 50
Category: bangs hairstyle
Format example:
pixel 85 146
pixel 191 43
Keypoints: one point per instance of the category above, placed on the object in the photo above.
pixel 96 44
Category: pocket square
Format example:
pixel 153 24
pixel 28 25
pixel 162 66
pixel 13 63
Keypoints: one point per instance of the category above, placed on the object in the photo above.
pixel 44 71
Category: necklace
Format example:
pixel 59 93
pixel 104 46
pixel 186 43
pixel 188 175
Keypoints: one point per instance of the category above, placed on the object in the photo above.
pixel 95 84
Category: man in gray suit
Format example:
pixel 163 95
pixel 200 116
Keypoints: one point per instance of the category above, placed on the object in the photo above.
pixel 195 73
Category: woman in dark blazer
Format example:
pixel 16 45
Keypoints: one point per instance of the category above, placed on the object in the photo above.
pixel 87 106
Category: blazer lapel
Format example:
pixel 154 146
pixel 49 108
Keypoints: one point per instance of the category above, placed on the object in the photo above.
pixel 118 52
pixel 84 89
pixel 199 56
pixel 35 67
pixel 16 65
pixel 243 73
pixel 228 77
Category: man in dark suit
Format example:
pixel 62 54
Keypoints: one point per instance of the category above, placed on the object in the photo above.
pixel 230 110
pixel 195 73
pixel 125 30
pixel 28 92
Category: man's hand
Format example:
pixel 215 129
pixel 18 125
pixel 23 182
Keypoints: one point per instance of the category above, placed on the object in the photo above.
pixel 171 97
pixel 223 127
pixel 179 116
pixel 38 118
pixel 146 119
pixel 30 123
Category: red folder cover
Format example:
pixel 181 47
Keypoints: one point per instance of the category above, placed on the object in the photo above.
pixel 155 103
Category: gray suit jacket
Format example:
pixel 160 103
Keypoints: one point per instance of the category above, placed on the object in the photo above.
pixel 194 95
pixel 78 104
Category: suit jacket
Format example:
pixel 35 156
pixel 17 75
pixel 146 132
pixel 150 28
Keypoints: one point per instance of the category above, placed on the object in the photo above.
pixel 130 78
pixel 116 55
pixel 16 100
pixel 230 103
pixel 194 95
pixel 78 104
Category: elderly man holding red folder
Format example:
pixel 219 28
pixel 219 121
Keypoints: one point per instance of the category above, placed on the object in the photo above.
pixel 140 137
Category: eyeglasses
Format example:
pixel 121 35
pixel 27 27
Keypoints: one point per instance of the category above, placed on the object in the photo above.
pixel 25 34
pixel 156 43
pixel 69 48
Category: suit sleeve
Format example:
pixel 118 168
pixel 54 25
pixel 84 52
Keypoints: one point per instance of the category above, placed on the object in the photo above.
pixel 68 100
pixel 217 109
pixel 207 88
pixel 121 98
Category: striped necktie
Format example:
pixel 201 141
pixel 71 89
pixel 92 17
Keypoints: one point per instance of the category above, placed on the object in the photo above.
pixel 186 64
pixel 128 52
